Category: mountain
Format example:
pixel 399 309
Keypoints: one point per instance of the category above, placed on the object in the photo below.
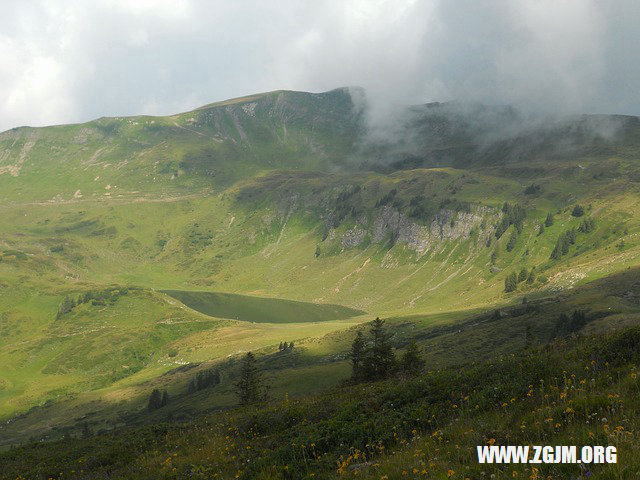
pixel 138 251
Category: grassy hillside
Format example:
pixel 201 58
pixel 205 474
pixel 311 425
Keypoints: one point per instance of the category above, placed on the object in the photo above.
pixel 136 252
pixel 574 390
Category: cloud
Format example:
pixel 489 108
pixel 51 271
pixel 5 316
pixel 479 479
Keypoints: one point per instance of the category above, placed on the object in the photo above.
pixel 69 60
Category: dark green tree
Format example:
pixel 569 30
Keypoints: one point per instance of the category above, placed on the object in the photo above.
pixel 291 345
pixel 512 241
pixel 549 220
pixel 165 398
pixel 522 276
pixel 155 400
pixel 412 362
pixel 65 307
pixel 192 388
pixel 541 229
pixel 249 387
pixel 578 211
pixel 531 278
pixel 578 320
pixel 380 360
pixel 510 282
pixel 201 381
pixel 587 225
pixel 357 356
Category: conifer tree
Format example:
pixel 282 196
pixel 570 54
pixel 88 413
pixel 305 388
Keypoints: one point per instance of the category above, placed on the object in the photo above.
pixel 412 362
pixel 522 276
pixel 512 241
pixel 380 361
pixel 531 278
pixel 549 220
pixel 510 282
pixel 155 400
pixel 191 388
pixel 291 345
pixel 357 355
pixel 249 387
pixel 578 211
pixel 165 398
pixel 65 307
pixel 200 381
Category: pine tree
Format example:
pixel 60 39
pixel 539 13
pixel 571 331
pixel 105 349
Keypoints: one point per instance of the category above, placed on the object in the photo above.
pixel 531 278
pixel 510 282
pixel 549 220
pixel 285 345
pixel 65 307
pixel 412 362
pixel 358 352
pixel 578 211
pixel 165 398
pixel 541 229
pixel 512 241
pixel 155 400
pixel 191 388
pixel 522 276
pixel 291 345
pixel 587 225
pixel 578 320
pixel 380 361
pixel 280 347
pixel 249 388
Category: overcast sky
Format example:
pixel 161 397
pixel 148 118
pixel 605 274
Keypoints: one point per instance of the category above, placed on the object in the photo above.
pixel 69 61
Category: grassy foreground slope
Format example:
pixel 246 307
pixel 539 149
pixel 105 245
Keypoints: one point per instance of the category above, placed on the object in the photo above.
pixel 280 198
pixel 549 389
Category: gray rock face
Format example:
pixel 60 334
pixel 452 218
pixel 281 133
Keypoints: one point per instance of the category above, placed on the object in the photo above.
pixel 446 225
pixel 353 237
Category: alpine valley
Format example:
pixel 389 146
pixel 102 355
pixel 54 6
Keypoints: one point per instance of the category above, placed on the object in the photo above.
pixel 142 253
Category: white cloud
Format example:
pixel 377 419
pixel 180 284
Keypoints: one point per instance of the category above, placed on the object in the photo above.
pixel 70 60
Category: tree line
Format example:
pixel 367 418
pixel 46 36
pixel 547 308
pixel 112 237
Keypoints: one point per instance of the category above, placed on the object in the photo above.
pixel 372 358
